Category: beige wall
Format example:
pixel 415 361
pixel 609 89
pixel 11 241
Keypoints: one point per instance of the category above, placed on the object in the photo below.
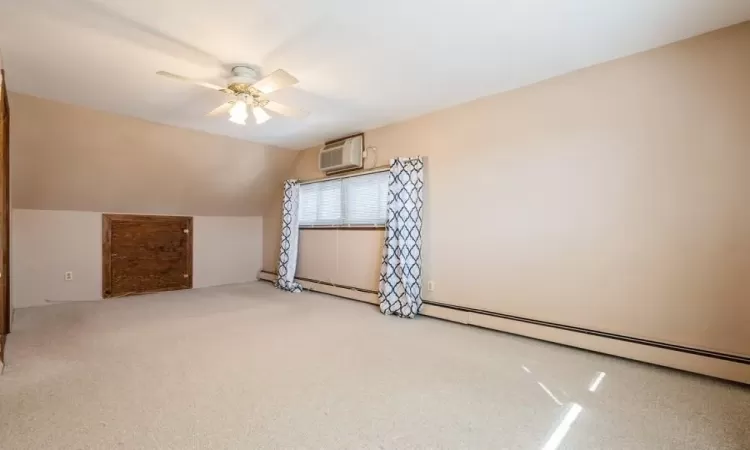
pixel 46 244
pixel 346 257
pixel 613 198
pixel 72 158
pixel 226 250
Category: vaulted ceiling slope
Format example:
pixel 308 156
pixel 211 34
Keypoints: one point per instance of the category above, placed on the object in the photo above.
pixel 360 63
pixel 67 157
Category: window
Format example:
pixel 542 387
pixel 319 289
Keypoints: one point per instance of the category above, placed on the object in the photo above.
pixel 358 200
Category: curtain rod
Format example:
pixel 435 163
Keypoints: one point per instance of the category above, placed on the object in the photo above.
pixel 347 175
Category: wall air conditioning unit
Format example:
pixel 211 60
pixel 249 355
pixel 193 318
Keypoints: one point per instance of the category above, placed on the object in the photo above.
pixel 341 155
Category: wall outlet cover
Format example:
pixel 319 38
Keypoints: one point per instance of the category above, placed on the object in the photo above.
pixel 68 276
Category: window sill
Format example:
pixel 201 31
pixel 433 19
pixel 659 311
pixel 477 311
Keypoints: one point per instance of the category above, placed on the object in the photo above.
pixel 342 227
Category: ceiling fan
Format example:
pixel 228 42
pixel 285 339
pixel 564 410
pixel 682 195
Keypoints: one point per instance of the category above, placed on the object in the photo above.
pixel 247 91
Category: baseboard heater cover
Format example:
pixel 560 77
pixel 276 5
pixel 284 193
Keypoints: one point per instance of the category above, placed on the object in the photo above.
pixel 720 365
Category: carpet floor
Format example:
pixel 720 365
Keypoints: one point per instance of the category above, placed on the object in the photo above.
pixel 249 367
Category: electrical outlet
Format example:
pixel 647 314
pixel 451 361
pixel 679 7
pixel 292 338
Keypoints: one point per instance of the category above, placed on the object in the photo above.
pixel 430 286
pixel 68 276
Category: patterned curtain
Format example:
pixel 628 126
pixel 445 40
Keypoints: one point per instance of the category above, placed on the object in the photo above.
pixel 289 238
pixel 400 291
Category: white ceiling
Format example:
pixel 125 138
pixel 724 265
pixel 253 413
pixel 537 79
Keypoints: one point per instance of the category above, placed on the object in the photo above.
pixel 361 63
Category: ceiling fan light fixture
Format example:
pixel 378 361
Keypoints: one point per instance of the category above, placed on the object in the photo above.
pixel 261 116
pixel 238 113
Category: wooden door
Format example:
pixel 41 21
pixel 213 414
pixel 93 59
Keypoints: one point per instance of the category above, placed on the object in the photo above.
pixel 4 215
pixel 142 254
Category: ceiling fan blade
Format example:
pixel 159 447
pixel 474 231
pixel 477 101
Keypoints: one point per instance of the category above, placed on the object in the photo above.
pixel 286 110
pixel 221 109
pixel 190 80
pixel 278 79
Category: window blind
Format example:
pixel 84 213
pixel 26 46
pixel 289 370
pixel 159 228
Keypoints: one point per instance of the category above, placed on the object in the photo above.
pixel 359 200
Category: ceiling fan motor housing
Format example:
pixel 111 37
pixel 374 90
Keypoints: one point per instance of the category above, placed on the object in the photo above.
pixel 242 78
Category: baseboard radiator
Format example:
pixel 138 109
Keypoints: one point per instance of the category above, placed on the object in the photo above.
pixel 720 365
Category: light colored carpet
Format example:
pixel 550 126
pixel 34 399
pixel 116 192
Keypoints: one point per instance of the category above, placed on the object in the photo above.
pixel 246 366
